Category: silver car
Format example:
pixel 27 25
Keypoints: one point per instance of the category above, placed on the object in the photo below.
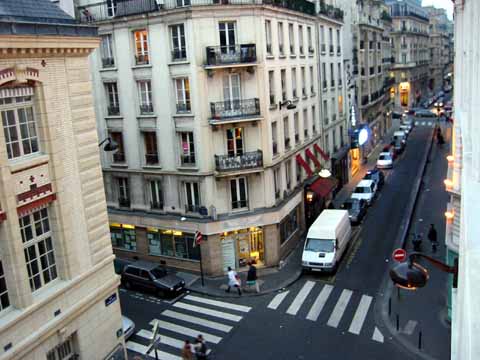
pixel 128 327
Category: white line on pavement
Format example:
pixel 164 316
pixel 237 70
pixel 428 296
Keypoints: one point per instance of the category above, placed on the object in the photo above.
pixel 339 309
pixel 222 304
pixel 205 311
pixel 198 321
pixel 377 335
pixel 319 303
pixel 300 298
pixel 186 331
pixel 360 314
pixel 277 300
pixel 409 327
pixel 142 349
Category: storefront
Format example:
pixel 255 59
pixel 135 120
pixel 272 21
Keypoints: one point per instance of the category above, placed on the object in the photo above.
pixel 241 246
pixel 340 167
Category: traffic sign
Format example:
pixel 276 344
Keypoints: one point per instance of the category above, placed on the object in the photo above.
pixel 399 255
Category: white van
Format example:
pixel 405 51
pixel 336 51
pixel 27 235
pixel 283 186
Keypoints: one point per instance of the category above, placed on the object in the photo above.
pixel 327 239
pixel 399 139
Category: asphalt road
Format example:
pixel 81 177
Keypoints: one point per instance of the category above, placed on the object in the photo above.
pixel 318 317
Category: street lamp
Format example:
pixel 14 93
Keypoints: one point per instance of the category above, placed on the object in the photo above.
pixel 324 173
pixel 410 275
pixel 288 104
pixel 109 146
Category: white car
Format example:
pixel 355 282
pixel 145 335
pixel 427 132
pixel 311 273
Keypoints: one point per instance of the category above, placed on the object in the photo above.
pixel 406 128
pixel 365 190
pixel 128 327
pixel 385 161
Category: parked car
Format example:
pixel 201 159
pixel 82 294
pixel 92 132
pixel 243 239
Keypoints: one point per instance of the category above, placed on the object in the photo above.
pixel 408 121
pixel 425 114
pixel 356 209
pixel 152 277
pixel 365 190
pixel 390 149
pixel 405 128
pixel 377 176
pixel 399 141
pixel 128 327
pixel 448 106
pixel 119 264
pixel 385 160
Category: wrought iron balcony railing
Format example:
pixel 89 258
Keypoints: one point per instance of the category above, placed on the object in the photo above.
pixel 248 160
pixel 179 55
pixel 108 62
pixel 187 160
pixel 183 107
pixel 142 59
pixel 146 109
pixel 151 159
pixel 119 157
pixel 113 110
pixel 124 202
pixel 235 109
pixel 231 54
pixel 156 205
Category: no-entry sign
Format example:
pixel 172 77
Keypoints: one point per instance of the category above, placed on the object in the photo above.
pixel 399 255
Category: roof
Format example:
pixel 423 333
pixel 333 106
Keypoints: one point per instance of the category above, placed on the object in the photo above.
pixel 326 224
pixel 365 183
pixel 39 17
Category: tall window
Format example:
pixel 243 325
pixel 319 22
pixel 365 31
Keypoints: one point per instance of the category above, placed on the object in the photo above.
pixel 119 155
pixel 112 98
pixel 296 128
pixel 151 149
pixel 340 104
pixel 281 49
pixel 64 351
pixel 305 123
pixel 334 139
pixel 341 135
pixel 156 194
pixel 327 143
pixel 288 174
pixel 145 95
pixel 182 91
pixel 192 197
pixel 338 42
pixel 111 7
pixel 179 48
pixel 309 39
pixel 298 172
pixel 141 47
pixel 330 38
pixel 294 82
pixel 227 36
pixel 123 236
pixel 304 85
pixel 286 132
pixel 274 138
pixel 38 248
pixel 19 126
pixel 276 182
pixel 182 3
pixel 325 112
pixel 333 108
pixel 332 76
pixel 283 80
pixel 322 39
pixel 291 39
pixel 312 81
pixel 339 74
pixel 268 36
pixel 238 192
pixel 324 76
pixel 314 119
pixel 4 300
pixel 300 39
pixel 271 87
pixel 235 146
pixel 106 51
pixel 187 155
pixel 123 192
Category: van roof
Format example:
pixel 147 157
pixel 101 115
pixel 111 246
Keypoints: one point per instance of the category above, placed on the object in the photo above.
pixel 326 224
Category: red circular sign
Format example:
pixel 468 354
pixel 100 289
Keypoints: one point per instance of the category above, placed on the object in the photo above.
pixel 399 255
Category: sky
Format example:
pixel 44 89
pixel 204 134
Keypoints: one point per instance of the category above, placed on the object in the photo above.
pixel 446 4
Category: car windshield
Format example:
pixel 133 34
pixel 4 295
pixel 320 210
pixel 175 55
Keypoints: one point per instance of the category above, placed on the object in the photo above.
pixel 320 245
pixel 384 157
pixel 361 190
pixel 158 273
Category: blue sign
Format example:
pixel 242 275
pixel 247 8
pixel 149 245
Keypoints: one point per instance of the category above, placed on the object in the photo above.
pixel 111 299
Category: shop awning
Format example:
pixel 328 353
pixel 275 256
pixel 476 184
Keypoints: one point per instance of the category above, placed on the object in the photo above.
pixel 312 157
pixel 304 165
pixel 36 205
pixel 322 153
pixel 323 186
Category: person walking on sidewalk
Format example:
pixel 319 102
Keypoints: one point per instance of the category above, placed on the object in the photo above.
pixel 201 348
pixel 252 276
pixel 233 280
pixel 432 236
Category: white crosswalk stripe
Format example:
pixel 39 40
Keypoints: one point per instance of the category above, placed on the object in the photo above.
pixel 186 331
pixel 277 300
pixel 142 349
pixel 377 335
pixel 360 315
pixel 319 303
pixel 339 309
pixel 225 305
pixel 206 311
pixel 300 298
pixel 198 321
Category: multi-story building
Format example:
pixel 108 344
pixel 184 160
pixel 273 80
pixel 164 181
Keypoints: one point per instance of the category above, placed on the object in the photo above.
pixel 58 290
pixel 215 107
pixel 410 42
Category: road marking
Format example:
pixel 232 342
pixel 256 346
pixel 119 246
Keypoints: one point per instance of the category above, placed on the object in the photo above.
pixel 377 335
pixel 222 304
pixel 198 321
pixel 142 349
pixel 360 314
pixel 339 309
pixel 186 331
pixel 277 300
pixel 300 298
pixel 164 339
pixel 409 327
pixel 206 311
pixel 319 303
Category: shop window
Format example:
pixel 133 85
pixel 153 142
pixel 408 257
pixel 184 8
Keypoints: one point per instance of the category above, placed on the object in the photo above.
pixel 288 226
pixel 172 243
pixel 123 236
pixel 64 351
pixel 4 300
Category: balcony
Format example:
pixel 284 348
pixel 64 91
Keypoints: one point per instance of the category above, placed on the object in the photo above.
pixel 226 56
pixel 179 55
pixel 151 159
pixel 246 161
pixel 106 10
pixel 108 62
pixel 183 107
pixel 331 11
pixel 146 109
pixel 235 110
pixel 123 202
pixel 192 208
pixel 156 205
pixel 113 110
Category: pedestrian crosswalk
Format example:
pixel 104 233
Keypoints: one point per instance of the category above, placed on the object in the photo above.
pixel 425 123
pixel 337 308
pixel 185 320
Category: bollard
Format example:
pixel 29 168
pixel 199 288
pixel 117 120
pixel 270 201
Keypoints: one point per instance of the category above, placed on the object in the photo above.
pixel 398 322
pixel 390 307
pixel 420 340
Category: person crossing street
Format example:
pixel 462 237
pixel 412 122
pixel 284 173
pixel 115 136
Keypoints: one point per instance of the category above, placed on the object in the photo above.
pixel 432 236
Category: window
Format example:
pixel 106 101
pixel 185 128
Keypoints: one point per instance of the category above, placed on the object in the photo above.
pixel 38 248
pixel 327 143
pixel 268 36
pixel 276 182
pixel 312 81
pixel 182 91
pixel 325 112
pixel 295 127
pixel 288 226
pixel 322 39
pixel 156 194
pixel 294 82
pixel 298 170
pixel 172 243
pixel 119 155
pixel 340 104
pixel 151 152
pixel 179 48
pixel 4 300
pixel 286 132
pixel 106 51
pixel 314 120
pixel 283 81
pixel 305 123
pixel 339 74
pixel 274 138
pixel 309 39
pixel 141 47
pixel 238 192
pixel 182 3
pixel 324 76
pixel 235 146
pixel 187 148
pixel 192 197
pixel 227 37
pixel 291 39
pixel 111 7
pixel 332 76
pixel 271 87
pixel 232 93
pixel 330 38
pixel 300 39
pixel 334 139
pixel 19 126
pixel 64 351
pixel 333 107
pixel 287 174
pixel 123 236
pixel 341 135
pixel 338 42
pixel 145 94
pixel 304 86
pixel 112 98
pixel 123 192
pixel 280 39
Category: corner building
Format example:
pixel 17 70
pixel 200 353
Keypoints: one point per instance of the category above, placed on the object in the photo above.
pixel 216 109
pixel 58 290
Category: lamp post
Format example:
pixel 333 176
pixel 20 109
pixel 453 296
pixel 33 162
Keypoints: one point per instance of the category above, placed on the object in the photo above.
pixel 288 103
pixel 109 146
pixel 198 235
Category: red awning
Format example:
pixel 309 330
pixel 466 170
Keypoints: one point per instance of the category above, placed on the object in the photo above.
pixel 322 153
pixel 304 165
pixel 3 215
pixel 313 158
pixel 323 186
pixel 35 205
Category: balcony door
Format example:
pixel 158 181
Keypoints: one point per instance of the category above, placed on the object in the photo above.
pixel 231 94
pixel 235 142
pixel 227 34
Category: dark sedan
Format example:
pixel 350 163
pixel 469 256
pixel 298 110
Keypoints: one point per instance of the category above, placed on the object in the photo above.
pixel 356 209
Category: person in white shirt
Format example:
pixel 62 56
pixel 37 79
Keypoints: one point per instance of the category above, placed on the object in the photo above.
pixel 233 280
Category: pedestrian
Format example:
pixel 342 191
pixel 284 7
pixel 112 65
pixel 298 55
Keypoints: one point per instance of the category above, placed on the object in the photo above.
pixel 252 276
pixel 201 348
pixel 187 351
pixel 432 236
pixel 233 280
